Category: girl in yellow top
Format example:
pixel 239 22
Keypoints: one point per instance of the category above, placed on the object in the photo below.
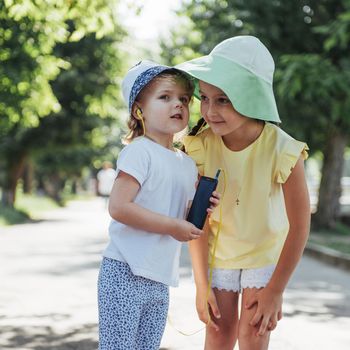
pixel 265 206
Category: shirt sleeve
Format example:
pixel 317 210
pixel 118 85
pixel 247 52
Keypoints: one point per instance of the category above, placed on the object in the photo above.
pixel 134 160
pixel 195 149
pixel 289 156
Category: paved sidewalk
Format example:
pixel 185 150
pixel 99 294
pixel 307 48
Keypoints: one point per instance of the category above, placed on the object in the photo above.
pixel 316 311
pixel 48 291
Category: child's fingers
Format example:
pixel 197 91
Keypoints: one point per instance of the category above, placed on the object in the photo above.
pixel 213 325
pixel 272 325
pixel 252 301
pixel 256 319
pixel 214 312
pixel 263 327
pixel 214 308
pixel 196 232
pixel 279 315
pixel 206 311
pixel 210 322
pixel 213 305
pixel 210 211
pixel 203 316
pixel 216 194
pixel 214 201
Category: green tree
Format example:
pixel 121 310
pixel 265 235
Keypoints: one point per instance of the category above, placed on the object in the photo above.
pixel 84 128
pixel 29 33
pixel 318 90
pixel 310 45
pixel 25 70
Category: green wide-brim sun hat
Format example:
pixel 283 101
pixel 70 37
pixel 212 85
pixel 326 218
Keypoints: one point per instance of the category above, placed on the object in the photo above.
pixel 242 68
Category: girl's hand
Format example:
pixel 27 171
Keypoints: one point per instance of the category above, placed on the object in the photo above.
pixel 269 309
pixel 215 201
pixel 206 308
pixel 184 231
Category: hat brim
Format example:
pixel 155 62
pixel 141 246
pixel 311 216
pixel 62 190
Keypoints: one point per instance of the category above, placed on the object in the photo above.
pixel 250 95
pixel 143 80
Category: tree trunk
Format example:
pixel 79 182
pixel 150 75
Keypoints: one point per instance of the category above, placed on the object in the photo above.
pixel 53 188
pixel 13 172
pixel 74 187
pixel 328 207
pixel 27 176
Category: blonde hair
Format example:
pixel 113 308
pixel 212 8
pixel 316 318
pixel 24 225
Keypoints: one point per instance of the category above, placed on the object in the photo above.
pixel 134 124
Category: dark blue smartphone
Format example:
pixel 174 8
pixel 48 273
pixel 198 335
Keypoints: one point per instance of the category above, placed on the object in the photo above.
pixel 198 211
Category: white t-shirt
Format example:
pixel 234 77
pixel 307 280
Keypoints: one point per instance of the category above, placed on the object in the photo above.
pixel 167 180
pixel 105 179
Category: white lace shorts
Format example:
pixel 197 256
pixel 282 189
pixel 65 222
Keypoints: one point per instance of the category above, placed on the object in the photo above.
pixel 237 279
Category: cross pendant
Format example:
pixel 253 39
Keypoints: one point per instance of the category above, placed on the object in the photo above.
pixel 237 201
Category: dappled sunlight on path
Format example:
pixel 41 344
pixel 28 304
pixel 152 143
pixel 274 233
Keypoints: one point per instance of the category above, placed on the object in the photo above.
pixel 48 290
pixel 316 311
pixel 48 293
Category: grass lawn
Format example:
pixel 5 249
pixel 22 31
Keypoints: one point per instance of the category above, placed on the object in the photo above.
pixel 339 239
pixel 34 205
pixel 27 208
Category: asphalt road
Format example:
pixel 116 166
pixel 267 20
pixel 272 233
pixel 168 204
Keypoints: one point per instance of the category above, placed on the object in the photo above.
pixel 48 291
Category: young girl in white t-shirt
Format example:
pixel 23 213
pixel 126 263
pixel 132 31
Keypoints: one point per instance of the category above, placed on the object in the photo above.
pixel 148 203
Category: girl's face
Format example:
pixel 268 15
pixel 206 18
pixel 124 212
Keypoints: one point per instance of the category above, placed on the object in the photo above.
pixel 217 110
pixel 165 107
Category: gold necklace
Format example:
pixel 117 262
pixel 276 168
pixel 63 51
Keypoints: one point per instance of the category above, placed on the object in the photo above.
pixel 237 200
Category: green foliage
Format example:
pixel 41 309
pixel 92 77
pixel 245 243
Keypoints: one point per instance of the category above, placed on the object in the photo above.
pixel 316 91
pixel 309 43
pixel 280 25
pixel 338 32
pixel 27 209
pixel 25 70
pixel 29 32
pixel 89 97
pixel 32 205
pixel 11 216
pixel 59 60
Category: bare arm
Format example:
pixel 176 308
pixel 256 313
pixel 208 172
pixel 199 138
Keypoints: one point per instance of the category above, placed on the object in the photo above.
pixel 123 209
pixel 297 203
pixel 269 299
pixel 199 250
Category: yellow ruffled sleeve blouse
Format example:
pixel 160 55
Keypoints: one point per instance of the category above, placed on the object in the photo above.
pixel 254 218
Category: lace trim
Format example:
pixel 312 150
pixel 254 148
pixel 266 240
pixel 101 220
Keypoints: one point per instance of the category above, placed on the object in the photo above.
pixel 228 280
pixel 236 280
pixel 226 290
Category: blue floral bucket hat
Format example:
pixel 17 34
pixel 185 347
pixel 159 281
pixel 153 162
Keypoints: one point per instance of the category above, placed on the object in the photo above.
pixel 242 67
pixel 138 77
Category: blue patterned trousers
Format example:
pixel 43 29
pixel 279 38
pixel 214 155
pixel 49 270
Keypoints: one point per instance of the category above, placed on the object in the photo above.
pixel 132 309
